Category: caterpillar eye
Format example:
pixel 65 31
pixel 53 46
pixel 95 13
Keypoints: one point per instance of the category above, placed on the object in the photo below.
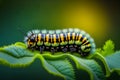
pixel 32 40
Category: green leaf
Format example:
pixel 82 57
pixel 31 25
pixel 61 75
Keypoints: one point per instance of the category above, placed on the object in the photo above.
pixel 108 48
pixel 90 66
pixel 59 64
pixel 17 55
pixel 113 62
pixel 103 60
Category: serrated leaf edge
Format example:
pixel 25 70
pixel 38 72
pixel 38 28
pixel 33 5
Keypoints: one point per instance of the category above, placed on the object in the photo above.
pixel 99 56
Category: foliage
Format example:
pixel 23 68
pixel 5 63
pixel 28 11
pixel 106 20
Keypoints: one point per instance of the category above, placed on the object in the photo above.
pixel 107 49
pixel 65 66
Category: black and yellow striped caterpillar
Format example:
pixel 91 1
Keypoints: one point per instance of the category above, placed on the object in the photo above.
pixel 73 40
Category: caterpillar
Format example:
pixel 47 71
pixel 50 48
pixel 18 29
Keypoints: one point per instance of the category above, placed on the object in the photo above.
pixel 66 40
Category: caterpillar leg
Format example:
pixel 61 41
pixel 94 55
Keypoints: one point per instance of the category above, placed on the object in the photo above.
pixel 41 49
pixel 83 53
pixel 64 49
pixel 52 50
pixel 72 48
pixel 31 48
pixel 80 52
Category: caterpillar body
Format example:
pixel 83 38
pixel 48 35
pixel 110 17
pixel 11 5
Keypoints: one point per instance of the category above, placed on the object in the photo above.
pixel 66 40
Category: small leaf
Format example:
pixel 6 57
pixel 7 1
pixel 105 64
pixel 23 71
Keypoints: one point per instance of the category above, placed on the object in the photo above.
pixel 99 50
pixel 108 48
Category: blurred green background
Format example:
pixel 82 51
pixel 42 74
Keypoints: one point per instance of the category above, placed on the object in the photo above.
pixel 99 18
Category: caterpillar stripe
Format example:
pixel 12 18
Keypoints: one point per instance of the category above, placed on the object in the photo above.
pixel 66 40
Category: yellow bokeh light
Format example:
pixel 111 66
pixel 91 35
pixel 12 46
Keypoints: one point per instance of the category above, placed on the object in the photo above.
pixel 90 17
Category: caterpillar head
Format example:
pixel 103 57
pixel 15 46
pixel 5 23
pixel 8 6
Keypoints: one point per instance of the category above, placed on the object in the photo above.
pixel 30 40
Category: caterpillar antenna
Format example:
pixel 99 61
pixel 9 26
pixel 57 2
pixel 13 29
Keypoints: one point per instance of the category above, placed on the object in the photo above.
pixel 22 32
